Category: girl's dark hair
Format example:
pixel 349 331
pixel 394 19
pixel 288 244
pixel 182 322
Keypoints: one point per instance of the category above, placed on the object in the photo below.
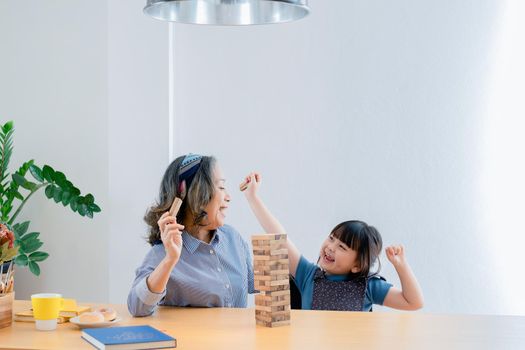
pixel 365 240
pixel 198 195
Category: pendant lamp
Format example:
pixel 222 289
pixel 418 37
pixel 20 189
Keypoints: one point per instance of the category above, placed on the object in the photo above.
pixel 227 12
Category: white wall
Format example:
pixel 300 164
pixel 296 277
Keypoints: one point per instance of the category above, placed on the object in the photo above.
pixel 53 84
pixel 373 110
pixel 138 129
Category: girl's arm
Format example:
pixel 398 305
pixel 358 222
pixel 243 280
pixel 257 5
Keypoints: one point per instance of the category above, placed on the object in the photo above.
pixel 410 296
pixel 267 220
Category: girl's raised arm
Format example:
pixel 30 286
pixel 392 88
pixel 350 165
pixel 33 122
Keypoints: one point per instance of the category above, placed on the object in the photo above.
pixel 266 219
pixel 410 296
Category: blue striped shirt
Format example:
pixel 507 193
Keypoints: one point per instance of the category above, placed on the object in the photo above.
pixel 218 274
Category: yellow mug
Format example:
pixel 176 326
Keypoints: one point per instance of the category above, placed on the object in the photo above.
pixel 46 307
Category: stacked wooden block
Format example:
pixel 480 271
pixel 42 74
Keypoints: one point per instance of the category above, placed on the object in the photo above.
pixel 271 274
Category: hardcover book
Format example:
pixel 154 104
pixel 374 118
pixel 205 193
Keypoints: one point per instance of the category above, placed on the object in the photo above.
pixel 128 337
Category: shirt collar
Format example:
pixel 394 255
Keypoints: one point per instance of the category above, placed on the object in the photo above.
pixel 320 273
pixel 191 243
pixel 337 278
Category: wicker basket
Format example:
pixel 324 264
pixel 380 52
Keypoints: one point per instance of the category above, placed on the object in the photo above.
pixel 6 309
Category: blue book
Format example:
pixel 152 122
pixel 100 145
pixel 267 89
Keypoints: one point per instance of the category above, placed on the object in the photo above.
pixel 130 337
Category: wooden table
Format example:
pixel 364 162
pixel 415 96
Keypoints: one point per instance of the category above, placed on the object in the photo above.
pixel 221 328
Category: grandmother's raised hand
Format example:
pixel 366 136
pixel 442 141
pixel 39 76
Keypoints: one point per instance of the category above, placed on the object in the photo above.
pixel 171 236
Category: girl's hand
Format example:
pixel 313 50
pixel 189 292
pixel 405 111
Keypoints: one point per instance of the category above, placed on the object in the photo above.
pixel 171 236
pixel 396 255
pixel 253 181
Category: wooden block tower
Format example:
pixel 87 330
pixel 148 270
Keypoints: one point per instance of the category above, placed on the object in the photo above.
pixel 271 274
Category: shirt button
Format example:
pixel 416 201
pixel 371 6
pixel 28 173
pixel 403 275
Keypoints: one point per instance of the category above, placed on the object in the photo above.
pixel 219 269
pixel 227 286
pixel 211 251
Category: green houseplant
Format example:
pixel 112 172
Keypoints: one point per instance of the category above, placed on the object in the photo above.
pixel 15 191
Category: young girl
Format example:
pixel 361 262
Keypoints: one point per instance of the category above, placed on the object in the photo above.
pixel 342 278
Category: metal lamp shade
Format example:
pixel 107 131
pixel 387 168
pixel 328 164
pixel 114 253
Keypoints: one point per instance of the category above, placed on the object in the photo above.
pixel 227 12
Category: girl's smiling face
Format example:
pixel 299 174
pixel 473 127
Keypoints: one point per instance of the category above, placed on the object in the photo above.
pixel 336 258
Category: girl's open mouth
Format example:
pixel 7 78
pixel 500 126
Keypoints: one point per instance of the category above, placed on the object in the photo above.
pixel 328 258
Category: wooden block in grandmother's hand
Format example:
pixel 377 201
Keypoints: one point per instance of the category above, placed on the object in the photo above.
pixel 175 206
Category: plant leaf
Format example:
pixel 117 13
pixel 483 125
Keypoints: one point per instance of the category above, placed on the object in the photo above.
pixel 75 191
pixel 7 127
pixel 25 167
pixel 19 179
pixel 21 260
pixel 38 256
pixel 66 198
pixel 31 246
pixel 48 173
pixel 31 186
pixel 34 268
pixel 37 173
pixel 30 236
pixel 89 199
pixel 57 194
pixel 82 209
pixel 6 147
pixel 94 208
pixel 49 191
pixel 21 228
pixel 74 204
pixel 59 177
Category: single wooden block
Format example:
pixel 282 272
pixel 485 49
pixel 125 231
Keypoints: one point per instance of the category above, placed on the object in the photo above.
pixel 261 257
pixel 269 257
pixel 265 288
pixel 279 251
pixel 275 293
pixel 269 236
pixel 283 317
pixel 273 324
pixel 268 299
pixel 264 237
pixel 260 248
pixel 272 309
pixel 280 323
pixel 270 272
pixel 271 262
pixel 278 257
pixel 285 282
pixel 267 270
pixel 270 277
pixel 271 303
pixel 271 316
pixel 270 283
